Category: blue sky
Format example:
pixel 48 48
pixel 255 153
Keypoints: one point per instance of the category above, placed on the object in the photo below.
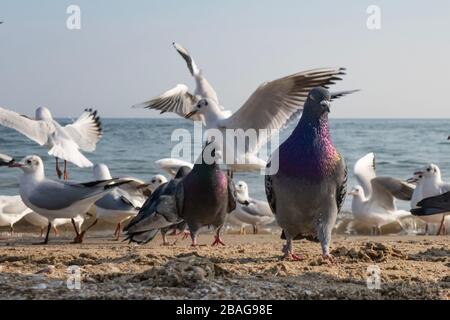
pixel 123 53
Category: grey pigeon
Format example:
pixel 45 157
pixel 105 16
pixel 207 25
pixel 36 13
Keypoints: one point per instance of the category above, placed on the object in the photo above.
pixel 434 205
pixel 309 188
pixel 153 216
pixel 5 160
pixel 203 197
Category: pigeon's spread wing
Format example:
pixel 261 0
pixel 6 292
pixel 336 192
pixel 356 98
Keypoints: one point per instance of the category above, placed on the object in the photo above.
pixel 38 131
pixel 364 171
pixel 274 104
pixel 177 100
pixel 86 131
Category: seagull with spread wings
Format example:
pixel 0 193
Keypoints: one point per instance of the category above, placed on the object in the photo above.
pixel 63 142
pixel 374 198
pixel 271 107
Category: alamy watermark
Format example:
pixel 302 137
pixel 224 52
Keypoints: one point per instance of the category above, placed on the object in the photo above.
pixel 373 280
pixel 374 19
pixel 73 21
pixel 73 278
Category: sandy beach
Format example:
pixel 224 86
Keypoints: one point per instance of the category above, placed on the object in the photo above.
pixel 248 267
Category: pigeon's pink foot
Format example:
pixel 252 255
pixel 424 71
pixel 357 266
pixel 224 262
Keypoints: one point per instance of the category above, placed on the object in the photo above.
pixel 329 258
pixel 217 241
pixel 291 256
pixel 186 234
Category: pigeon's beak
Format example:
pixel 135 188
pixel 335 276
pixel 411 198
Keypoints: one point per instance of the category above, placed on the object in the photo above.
pixel 417 173
pixel 190 114
pixel 326 105
pixel 352 193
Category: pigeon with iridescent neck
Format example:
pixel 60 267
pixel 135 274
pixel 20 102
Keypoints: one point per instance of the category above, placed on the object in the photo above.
pixel 203 197
pixel 308 189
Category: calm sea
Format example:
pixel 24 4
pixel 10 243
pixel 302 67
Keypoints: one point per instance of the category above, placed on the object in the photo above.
pixel 130 147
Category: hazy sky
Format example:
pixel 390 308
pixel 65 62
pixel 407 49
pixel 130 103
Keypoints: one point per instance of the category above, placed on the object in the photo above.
pixel 123 55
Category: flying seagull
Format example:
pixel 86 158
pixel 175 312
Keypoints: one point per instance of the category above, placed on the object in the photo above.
pixel 56 199
pixel 63 142
pixel 308 189
pixel 271 107
pixel 373 200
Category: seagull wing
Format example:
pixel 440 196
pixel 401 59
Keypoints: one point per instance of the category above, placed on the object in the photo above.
pixel 86 131
pixel 275 104
pixel 65 148
pixel 36 130
pixel 385 189
pixel 203 89
pixel 171 165
pixel 57 195
pixel 364 171
pixel 177 100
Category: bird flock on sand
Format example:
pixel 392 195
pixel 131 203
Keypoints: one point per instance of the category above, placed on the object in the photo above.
pixel 304 195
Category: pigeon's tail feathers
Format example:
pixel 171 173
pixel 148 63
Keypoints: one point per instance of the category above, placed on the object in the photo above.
pixel 142 237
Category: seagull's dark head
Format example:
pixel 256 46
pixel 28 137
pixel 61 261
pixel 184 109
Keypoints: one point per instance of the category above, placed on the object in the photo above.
pixel 318 103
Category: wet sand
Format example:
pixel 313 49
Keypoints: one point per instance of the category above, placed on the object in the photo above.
pixel 248 267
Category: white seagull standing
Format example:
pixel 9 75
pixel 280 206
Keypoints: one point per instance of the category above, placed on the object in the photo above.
pixel 251 211
pixel 122 203
pixel 55 199
pixel 430 184
pixel 373 200
pixel 12 210
pixel 271 107
pixel 63 142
